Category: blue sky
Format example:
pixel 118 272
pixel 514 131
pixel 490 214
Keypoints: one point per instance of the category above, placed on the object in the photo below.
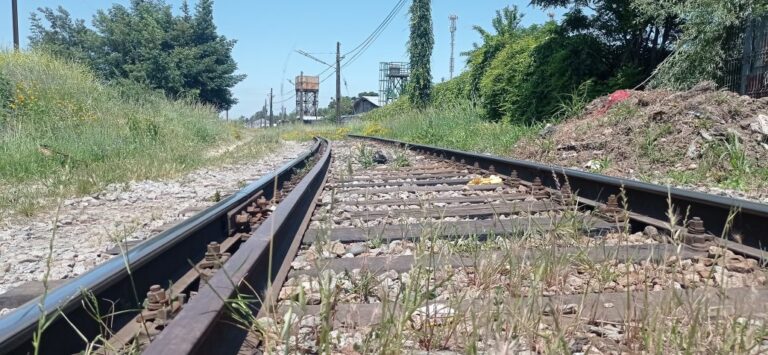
pixel 268 33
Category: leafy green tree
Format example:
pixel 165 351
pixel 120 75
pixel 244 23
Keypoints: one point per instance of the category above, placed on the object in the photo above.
pixel 145 43
pixel 710 34
pixel 505 85
pixel 420 45
pixel 347 107
pixel 638 41
pixel 562 63
pixel 214 68
pixel 505 24
pixel 64 37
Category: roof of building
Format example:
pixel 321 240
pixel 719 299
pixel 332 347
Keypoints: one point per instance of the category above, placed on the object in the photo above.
pixel 372 99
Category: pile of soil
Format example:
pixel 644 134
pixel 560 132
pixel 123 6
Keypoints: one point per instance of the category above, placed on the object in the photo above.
pixel 703 137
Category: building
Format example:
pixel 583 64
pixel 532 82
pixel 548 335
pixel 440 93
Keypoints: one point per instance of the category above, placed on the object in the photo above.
pixel 364 104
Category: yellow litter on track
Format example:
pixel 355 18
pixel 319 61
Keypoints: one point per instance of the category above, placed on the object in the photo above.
pixel 491 180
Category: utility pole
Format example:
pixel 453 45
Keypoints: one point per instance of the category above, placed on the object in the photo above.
pixel 301 98
pixel 271 120
pixel 338 82
pixel 453 19
pixel 337 68
pixel 15 11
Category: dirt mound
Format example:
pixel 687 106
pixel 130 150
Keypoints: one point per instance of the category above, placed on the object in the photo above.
pixel 700 137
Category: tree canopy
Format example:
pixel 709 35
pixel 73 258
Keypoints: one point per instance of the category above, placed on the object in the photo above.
pixel 145 42
pixel 420 45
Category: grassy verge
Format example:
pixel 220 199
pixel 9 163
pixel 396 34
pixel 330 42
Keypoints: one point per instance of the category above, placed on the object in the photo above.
pixel 457 126
pixel 63 130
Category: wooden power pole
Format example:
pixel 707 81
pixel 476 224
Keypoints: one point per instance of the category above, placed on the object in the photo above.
pixel 338 81
pixel 271 120
pixel 15 10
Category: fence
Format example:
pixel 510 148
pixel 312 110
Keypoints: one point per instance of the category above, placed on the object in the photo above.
pixel 747 74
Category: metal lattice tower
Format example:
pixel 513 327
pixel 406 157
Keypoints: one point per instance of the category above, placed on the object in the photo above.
pixel 453 19
pixel 307 93
pixel 392 79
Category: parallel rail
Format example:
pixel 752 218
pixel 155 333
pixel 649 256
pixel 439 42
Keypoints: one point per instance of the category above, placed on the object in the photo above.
pixel 649 203
pixel 207 323
pixel 162 259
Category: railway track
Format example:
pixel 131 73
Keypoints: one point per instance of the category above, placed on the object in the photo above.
pixel 445 250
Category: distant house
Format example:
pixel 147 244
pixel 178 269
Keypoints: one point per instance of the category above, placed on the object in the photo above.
pixel 312 119
pixel 364 104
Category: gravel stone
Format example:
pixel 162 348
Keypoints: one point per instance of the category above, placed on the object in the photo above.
pixel 357 249
pixel 133 211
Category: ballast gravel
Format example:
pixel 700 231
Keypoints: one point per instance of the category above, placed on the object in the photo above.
pixel 88 226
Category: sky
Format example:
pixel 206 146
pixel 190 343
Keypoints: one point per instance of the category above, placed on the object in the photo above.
pixel 268 33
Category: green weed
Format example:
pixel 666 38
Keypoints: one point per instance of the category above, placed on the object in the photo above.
pixel 365 156
pixel 401 159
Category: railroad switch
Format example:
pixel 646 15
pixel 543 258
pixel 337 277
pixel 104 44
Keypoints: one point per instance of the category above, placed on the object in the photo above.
pixel 538 191
pixel 611 211
pixel 160 307
pixel 696 235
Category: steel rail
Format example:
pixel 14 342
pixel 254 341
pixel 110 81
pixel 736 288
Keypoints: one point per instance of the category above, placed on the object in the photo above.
pixel 115 287
pixel 723 216
pixel 206 324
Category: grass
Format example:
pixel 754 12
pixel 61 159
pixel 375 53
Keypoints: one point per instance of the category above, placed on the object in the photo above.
pixel 648 144
pixel 61 127
pixel 725 162
pixel 459 127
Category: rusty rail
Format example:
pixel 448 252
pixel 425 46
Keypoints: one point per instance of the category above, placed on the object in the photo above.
pixel 648 203
pixel 118 292
pixel 206 326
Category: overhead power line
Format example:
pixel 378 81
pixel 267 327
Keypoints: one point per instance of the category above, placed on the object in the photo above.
pixel 356 52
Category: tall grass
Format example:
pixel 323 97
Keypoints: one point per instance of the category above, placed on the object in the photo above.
pixel 457 126
pixel 60 126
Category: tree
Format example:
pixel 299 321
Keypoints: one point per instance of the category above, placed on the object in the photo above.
pixel 638 41
pixel 505 24
pixel 710 33
pixel 420 46
pixel 145 43
pixel 65 37
pixel 214 68
pixel 347 108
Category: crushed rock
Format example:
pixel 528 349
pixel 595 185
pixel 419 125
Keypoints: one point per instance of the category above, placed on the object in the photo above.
pixel 88 226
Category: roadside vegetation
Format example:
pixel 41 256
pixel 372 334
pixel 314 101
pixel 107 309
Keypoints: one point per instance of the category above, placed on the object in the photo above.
pixel 181 55
pixel 63 130
pixel 530 82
